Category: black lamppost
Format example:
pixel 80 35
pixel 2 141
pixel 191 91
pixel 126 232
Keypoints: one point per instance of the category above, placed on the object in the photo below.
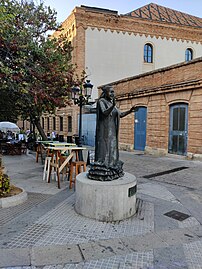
pixel 81 96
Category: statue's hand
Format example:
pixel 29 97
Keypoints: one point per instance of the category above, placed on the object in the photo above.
pixel 134 108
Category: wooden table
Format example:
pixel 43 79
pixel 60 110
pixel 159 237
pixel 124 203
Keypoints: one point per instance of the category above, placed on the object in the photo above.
pixel 61 144
pixel 40 149
pixel 43 145
pixel 59 161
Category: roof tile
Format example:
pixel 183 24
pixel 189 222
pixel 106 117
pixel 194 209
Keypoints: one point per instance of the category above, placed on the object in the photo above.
pixel 159 13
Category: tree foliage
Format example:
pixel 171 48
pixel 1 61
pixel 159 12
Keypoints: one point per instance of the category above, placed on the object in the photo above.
pixel 36 72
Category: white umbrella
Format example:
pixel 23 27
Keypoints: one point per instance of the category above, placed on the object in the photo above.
pixel 8 126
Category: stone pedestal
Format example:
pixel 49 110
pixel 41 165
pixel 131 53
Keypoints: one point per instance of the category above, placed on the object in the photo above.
pixel 106 201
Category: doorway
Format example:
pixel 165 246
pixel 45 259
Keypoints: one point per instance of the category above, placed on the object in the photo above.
pixel 178 129
pixel 140 128
pixel 88 129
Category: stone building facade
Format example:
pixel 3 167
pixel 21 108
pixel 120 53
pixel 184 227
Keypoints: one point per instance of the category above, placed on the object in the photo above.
pixel 111 46
pixel 172 99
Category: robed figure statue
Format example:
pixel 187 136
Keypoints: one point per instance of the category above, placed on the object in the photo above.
pixel 107 166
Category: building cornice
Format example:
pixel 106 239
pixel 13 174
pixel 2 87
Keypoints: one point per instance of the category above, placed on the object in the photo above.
pixel 169 88
pixel 131 25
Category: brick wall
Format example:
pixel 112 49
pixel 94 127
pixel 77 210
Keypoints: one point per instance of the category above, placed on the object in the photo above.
pixel 157 90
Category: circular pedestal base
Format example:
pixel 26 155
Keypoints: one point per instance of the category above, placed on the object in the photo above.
pixel 106 201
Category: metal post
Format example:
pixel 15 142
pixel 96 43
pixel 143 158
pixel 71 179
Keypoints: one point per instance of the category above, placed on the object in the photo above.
pixel 81 100
pixel 80 127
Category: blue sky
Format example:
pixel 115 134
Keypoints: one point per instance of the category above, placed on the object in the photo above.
pixel 64 7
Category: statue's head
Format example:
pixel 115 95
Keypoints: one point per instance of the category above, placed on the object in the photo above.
pixel 108 92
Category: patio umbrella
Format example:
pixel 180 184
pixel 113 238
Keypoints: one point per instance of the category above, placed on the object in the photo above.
pixel 8 126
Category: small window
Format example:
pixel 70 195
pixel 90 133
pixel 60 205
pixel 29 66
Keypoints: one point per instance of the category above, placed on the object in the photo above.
pixel 148 53
pixel 188 55
pixel 69 123
pixel 61 123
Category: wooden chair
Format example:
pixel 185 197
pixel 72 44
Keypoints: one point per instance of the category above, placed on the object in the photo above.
pixel 59 163
pixel 46 170
pixel 41 151
pixel 23 148
pixel 75 168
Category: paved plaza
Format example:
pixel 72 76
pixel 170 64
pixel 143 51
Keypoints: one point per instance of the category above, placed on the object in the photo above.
pixel 45 231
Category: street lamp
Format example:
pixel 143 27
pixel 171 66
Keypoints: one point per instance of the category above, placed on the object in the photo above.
pixel 81 96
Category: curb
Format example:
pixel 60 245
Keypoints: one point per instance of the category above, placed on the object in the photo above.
pixel 14 200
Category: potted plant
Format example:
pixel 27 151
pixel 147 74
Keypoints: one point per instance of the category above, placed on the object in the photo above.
pixel 10 195
pixel 4 181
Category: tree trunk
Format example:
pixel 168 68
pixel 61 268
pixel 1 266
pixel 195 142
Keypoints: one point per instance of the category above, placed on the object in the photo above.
pixel 40 129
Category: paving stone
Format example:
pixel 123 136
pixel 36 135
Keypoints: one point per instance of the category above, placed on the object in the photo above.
pixel 193 254
pixel 197 230
pixel 143 260
pixel 178 236
pixel 102 248
pixel 143 242
pixel 15 257
pixel 171 257
pixel 157 191
pixel 8 214
pixel 55 255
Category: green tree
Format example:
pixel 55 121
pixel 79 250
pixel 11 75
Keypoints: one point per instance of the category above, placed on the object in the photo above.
pixel 36 72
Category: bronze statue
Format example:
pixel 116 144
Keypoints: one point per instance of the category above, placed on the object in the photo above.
pixel 107 166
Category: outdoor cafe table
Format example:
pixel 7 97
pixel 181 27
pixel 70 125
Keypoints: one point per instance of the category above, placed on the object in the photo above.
pixel 59 160
pixel 40 149
pixel 61 144
pixel 43 145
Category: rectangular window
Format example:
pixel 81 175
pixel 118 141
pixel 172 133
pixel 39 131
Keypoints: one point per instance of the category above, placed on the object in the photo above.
pixel 61 123
pixel 69 123
pixel 48 124
pixel 43 123
pixel 54 123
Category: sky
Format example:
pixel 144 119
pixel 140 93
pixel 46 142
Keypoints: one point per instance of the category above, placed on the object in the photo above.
pixel 65 7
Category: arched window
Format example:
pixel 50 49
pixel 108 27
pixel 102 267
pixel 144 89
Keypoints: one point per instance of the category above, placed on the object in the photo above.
pixel 148 53
pixel 188 54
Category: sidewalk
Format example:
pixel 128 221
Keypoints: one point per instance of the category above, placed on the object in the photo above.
pixel 45 231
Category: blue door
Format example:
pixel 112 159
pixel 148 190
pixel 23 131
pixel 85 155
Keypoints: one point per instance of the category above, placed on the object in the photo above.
pixel 178 129
pixel 88 129
pixel 140 128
